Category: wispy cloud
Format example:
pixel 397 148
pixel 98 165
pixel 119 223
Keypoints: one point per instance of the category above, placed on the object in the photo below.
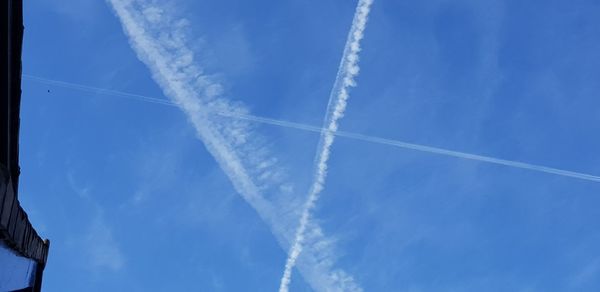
pixel 102 251
pixel 160 42
pixel 81 191
pixel 347 71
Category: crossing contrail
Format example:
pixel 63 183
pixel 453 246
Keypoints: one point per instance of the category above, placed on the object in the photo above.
pixel 160 40
pixel 343 134
pixel 336 106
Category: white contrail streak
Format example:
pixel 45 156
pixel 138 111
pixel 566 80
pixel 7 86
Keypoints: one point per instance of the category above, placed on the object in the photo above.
pixel 343 134
pixel 463 155
pixel 97 90
pixel 171 64
pixel 347 71
pixel 160 42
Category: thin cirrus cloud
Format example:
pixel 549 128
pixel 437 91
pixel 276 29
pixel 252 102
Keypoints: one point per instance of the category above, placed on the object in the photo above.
pixel 101 249
pixel 338 133
pixel 336 106
pixel 104 251
pixel 159 41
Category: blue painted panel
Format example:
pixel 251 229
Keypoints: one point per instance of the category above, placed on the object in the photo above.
pixel 16 272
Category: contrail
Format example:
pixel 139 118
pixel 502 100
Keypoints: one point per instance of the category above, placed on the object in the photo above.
pixel 463 155
pixel 343 134
pixel 97 90
pixel 347 71
pixel 170 63
pixel 160 42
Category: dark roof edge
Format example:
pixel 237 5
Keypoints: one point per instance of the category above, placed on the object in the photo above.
pixel 15 228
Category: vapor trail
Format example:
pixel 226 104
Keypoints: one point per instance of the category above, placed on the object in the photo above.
pixel 171 65
pixel 343 134
pixel 347 71
pixel 98 90
pixel 160 42
pixel 463 155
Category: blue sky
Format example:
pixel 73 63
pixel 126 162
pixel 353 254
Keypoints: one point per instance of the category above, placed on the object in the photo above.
pixel 133 197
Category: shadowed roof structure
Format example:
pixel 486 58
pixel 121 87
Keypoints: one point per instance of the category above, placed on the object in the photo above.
pixel 23 253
